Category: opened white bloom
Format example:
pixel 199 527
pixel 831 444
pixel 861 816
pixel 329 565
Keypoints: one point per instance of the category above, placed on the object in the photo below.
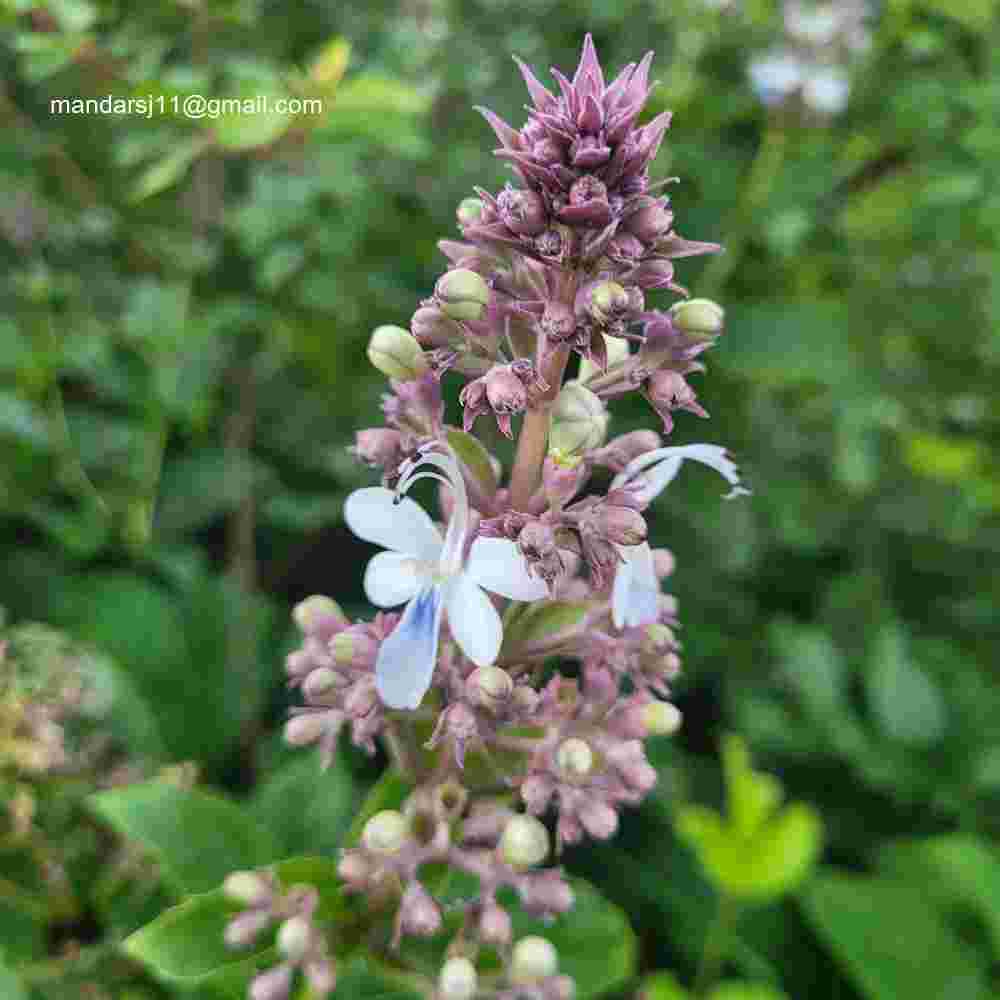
pixel 635 596
pixel 433 576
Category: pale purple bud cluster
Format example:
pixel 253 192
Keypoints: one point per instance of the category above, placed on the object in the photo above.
pixel 334 668
pixel 301 944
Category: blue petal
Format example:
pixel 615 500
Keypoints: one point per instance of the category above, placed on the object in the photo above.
pixel 405 663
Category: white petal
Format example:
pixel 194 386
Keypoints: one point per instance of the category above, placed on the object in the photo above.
pixel 497 565
pixel 635 596
pixel 650 474
pixel 392 578
pixel 402 527
pixel 473 621
pixel 405 663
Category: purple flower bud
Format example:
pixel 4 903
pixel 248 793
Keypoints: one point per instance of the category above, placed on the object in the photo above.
pixel 619 451
pixel 522 211
pixel 506 395
pixel 625 247
pixel 433 328
pixel 549 243
pixel 598 819
pixel 537 793
pixel 322 977
pixel 494 926
pixel 653 274
pixel 274 984
pixel 560 988
pixel 379 447
pixel 243 929
pixel 621 525
pixel 588 152
pixel 320 616
pixel 664 562
pixel 588 203
pixel 545 893
pixel 361 698
pixel 301 730
pixel 538 546
pixel 562 479
pixel 354 868
pixel 485 825
pixel 547 151
pixel 651 221
pixel 418 913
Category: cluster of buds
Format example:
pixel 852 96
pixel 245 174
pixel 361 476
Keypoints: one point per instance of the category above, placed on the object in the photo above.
pixel 300 942
pixel 506 762
pixel 812 62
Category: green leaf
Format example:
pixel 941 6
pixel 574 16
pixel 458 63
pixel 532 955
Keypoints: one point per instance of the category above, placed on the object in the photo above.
pixel 306 807
pixel 185 945
pixel 745 991
pixel 11 987
pixel 974 15
pixel 372 94
pixel 957 871
pixel 788 342
pixel 890 941
pixel 762 852
pixel 249 118
pixel 366 979
pixel 662 986
pixel 168 171
pixel 476 459
pixel 198 837
pixel 906 703
pixel 546 623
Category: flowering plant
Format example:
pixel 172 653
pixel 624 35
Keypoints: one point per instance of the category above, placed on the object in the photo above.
pixel 533 649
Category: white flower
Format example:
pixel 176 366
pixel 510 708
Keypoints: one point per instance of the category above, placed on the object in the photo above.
pixel 432 576
pixel 775 76
pixel 635 596
pixel 826 90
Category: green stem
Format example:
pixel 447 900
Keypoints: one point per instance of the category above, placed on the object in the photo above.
pixel 716 944
pixel 763 173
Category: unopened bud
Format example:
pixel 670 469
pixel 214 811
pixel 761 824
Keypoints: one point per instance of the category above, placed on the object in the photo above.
pixel 395 352
pixel 608 300
pixel 533 958
pixel 274 984
pixel 354 867
pixel 449 800
pixel 579 420
pixel 294 937
pixel 505 392
pixel 622 525
pixel 522 211
pixel 575 758
pixel 700 319
pixel 664 562
pixel 561 988
pixel 598 819
pixel 433 328
pixel 316 613
pixel 418 913
pixel 650 222
pixel 657 640
pixel 244 928
pixel 463 294
pixel 562 477
pixel 469 211
pixel 301 730
pixel 494 926
pixel 525 842
pixel 661 718
pixel 321 682
pixel 386 832
pixel 489 687
pixel 378 446
pixel 322 977
pixel 458 980
pixel 247 888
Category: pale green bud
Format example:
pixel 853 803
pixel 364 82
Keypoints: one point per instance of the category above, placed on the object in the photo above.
pixel 463 294
pixel 458 979
pixel 314 611
pixel 701 319
pixel 293 938
pixel 469 211
pixel 661 718
pixel 396 353
pixel 489 687
pixel 575 758
pixel 525 842
pixel 533 958
pixel 248 888
pixel 579 420
pixel 385 832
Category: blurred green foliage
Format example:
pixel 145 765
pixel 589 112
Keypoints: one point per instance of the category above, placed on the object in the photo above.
pixel 183 310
